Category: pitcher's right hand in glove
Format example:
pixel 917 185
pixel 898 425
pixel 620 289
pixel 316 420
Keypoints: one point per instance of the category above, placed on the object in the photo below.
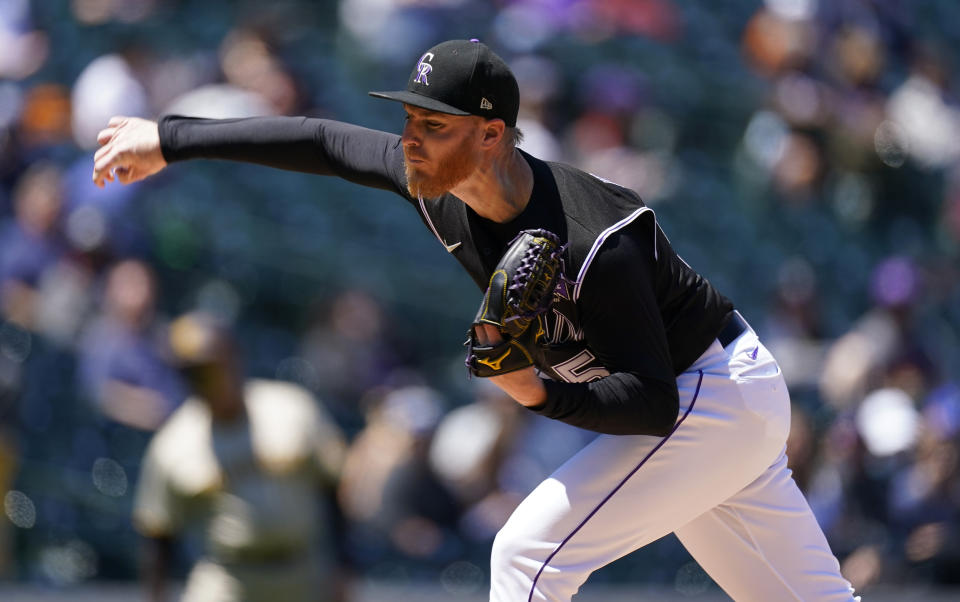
pixel 520 291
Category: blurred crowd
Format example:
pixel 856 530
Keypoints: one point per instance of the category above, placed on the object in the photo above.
pixel 804 155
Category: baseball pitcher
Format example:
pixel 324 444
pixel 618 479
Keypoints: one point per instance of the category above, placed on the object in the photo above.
pixel 588 316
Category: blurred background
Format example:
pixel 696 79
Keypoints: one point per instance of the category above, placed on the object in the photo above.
pixel 804 155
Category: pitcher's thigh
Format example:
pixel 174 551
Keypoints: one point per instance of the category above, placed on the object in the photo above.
pixel 617 495
pixel 622 492
pixel 601 504
pixel 765 544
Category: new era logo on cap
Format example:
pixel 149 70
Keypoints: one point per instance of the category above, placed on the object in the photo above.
pixel 461 77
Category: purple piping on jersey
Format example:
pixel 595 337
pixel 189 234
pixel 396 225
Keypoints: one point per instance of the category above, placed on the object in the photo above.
pixel 599 243
pixel 696 393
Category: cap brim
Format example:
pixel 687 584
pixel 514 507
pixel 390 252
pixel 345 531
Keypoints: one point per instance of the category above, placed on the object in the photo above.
pixel 419 100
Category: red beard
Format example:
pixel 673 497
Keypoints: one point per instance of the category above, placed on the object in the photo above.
pixel 450 171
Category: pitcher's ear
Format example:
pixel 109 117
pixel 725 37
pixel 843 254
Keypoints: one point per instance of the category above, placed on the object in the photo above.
pixel 493 130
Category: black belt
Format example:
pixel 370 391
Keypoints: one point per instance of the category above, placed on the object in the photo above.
pixel 734 328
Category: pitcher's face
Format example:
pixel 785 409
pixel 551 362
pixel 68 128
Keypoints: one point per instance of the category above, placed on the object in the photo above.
pixel 439 150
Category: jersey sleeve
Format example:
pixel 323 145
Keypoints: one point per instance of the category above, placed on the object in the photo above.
pixel 157 509
pixel 622 325
pixel 319 146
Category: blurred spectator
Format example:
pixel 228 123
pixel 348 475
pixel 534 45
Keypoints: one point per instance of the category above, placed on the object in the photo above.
pixel 469 450
pixel 926 119
pixel 774 41
pixel 249 63
pixel 122 362
pixel 491 453
pixel 348 349
pixel 43 287
pixel 882 342
pixel 472 441
pixel 246 463
pixel 30 244
pixel 256 82
pixel 396 505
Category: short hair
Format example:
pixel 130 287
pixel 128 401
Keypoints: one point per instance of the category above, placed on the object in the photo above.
pixel 513 136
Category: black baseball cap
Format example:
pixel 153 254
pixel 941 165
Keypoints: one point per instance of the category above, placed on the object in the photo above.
pixel 461 77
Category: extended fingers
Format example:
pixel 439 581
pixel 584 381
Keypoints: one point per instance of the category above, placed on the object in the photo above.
pixel 105 165
pixel 100 179
pixel 105 135
pixel 108 158
pixel 105 161
pixel 103 150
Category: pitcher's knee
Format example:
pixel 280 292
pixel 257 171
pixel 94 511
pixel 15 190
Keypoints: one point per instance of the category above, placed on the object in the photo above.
pixel 510 559
pixel 517 571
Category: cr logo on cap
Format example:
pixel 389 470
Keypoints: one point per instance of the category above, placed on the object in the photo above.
pixel 423 69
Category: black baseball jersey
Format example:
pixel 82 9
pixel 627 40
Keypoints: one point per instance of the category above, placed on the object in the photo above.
pixel 631 314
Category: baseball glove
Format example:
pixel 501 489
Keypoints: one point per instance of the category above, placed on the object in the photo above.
pixel 521 290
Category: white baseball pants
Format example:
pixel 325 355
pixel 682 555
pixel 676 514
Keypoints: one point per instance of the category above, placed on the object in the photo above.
pixel 719 481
